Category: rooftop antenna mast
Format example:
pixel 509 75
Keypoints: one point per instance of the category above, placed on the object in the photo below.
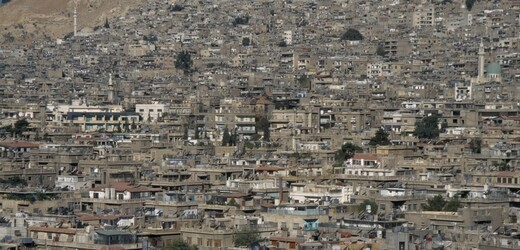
pixel 75 17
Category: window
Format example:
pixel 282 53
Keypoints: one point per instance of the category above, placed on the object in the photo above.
pixel 218 243
pixel 141 110
pixel 296 226
pixel 49 236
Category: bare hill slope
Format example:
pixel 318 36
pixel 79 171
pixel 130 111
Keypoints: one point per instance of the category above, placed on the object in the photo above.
pixel 23 21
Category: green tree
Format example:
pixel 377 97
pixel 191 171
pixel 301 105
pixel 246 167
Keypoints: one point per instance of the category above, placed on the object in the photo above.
pixel 241 21
pixel 106 25
pixel 8 38
pixel 19 127
pixel 246 41
pixel 381 51
pixel 304 81
pixel 347 151
pixel 476 145
pixel 14 181
pixel 452 205
pixel 262 124
pixel 381 138
pixel 436 203
pixel 184 62
pixel 133 126
pixel 226 137
pixel 469 4
pixel 427 128
pixel 180 244
pixel 176 8
pixel 352 35
pixel 246 237
pixel 196 136
pixel 363 206
pixel 234 138
pixel 151 38
pixel 502 165
pixel 233 203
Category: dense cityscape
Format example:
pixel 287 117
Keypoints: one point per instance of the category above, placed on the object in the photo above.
pixel 266 124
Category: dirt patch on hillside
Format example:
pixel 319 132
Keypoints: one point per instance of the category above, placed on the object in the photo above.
pixel 23 21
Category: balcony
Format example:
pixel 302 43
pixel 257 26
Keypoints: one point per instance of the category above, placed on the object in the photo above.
pixel 297 212
pixel 113 201
pixel 76 245
pixel 307 227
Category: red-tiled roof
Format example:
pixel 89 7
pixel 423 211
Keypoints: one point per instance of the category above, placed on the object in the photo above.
pixel 263 101
pixel 505 174
pixel 88 217
pixel 53 230
pixel 270 168
pixel 126 186
pixel 513 117
pixel 236 195
pixel 19 144
pixel 287 239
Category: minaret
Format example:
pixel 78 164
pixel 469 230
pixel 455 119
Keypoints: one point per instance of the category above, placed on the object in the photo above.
pixel 110 89
pixel 481 59
pixel 75 17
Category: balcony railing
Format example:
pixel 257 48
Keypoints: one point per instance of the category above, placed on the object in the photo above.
pixel 296 212
pixel 310 228
pixel 117 201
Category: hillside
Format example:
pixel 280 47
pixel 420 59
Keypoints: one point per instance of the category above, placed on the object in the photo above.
pixel 26 20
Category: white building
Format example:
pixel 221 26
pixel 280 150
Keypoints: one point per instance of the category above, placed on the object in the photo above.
pixel 288 37
pixel 72 183
pixel 122 191
pixel 365 165
pixel 301 193
pixel 151 112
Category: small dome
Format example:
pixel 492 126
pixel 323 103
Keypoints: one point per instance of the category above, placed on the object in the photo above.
pixel 494 68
